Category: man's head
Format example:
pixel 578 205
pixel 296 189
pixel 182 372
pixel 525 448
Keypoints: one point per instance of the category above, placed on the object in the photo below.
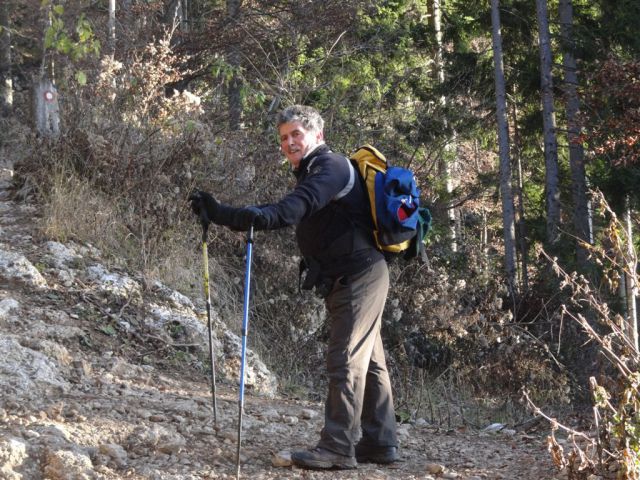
pixel 300 129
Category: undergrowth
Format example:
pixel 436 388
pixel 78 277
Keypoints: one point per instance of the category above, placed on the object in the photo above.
pixel 609 445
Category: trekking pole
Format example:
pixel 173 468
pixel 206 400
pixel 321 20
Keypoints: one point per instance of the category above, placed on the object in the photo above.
pixel 245 327
pixel 205 257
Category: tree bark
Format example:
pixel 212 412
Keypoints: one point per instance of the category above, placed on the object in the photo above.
pixel 6 82
pixel 176 15
pixel 522 228
pixel 508 216
pixel 447 160
pixel 45 95
pixel 631 280
pixel 552 192
pixel 46 109
pixel 112 27
pixel 581 210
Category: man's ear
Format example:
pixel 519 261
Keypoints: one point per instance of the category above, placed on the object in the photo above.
pixel 320 136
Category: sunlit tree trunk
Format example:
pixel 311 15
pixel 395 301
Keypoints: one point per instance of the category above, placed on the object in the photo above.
pixel 448 160
pixel 522 228
pixel 631 280
pixel 112 27
pixel 6 82
pixel 581 211
pixel 45 93
pixel 506 193
pixel 234 94
pixel 177 14
pixel 549 126
pixel 46 108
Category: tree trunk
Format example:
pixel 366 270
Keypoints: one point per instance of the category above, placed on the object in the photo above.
pixel 484 232
pixel 176 15
pixel 549 126
pixel 581 211
pixel 6 82
pixel 45 95
pixel 234 93
pixel 522 227
pixel 446 165
pixel 506 193
pixel 46 109
pixel 631 280
pixel 112 27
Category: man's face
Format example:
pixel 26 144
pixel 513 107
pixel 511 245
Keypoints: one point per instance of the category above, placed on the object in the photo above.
pixel 296 141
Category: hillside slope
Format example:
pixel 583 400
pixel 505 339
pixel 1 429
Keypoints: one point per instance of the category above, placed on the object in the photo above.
pixel 101 378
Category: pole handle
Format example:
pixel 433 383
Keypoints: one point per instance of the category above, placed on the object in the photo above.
pixel 204 221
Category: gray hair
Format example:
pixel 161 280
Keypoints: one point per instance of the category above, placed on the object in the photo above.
pixel 309 117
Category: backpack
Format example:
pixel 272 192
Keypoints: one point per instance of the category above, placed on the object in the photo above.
pixel 400 223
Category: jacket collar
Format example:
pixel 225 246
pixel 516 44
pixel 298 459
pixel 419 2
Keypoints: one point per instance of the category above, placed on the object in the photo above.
pixel 308 158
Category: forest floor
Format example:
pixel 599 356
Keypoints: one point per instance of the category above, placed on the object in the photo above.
pixel 76 407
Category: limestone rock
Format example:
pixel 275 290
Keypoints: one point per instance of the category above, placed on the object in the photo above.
pixel 13 452
pixel 14 267
pixel 434 468
pixel 282 459
pixel 258 377
pixel 61 256
pixel 308 414
pixel 156 437
pixel 115 452
pixel 8 306
pixel 119 286
pixel 25 370
pixel 73 464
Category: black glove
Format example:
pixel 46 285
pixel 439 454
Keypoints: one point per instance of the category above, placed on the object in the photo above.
pixel 205 206
pixel 243 218
pixel 210 210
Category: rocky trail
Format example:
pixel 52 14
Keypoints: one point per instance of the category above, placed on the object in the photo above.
pixel 101 378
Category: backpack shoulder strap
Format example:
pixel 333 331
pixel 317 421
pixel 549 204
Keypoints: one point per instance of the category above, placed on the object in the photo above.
pixel 369 157
pixel 352 178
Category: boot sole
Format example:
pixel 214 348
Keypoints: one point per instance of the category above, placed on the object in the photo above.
pixel 320 465
pixel 378 460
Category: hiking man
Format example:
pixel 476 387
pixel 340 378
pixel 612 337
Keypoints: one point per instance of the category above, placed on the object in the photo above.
pixel 334 229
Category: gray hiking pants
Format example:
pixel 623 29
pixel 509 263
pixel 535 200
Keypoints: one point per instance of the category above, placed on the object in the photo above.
pixel 360 398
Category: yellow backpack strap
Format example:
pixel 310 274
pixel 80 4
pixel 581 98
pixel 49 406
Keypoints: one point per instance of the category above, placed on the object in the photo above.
pixel 369 157
pixel 370 161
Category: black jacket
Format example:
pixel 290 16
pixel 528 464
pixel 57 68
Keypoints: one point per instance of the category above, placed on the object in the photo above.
pixel 337 233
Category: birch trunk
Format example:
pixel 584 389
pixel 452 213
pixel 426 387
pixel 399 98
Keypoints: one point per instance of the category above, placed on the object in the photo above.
pixel 581 210
pixel 552 192
pixel 506 193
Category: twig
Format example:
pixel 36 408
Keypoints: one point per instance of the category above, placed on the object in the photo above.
pixel 554 423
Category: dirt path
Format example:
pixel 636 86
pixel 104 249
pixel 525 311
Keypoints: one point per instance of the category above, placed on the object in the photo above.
pixel 85 399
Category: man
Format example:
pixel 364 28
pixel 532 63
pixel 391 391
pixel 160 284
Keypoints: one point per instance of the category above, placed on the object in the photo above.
pixel 334 232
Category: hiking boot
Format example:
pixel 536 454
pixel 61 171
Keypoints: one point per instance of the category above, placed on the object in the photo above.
pixel 373 454
pixel 323 459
